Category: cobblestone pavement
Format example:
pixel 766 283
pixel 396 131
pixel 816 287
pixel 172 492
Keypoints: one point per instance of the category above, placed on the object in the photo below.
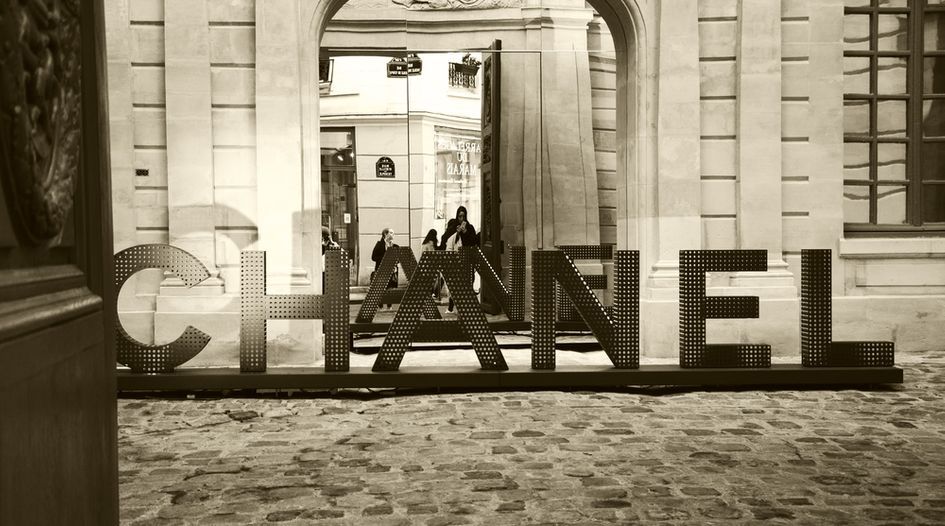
pixel 664 456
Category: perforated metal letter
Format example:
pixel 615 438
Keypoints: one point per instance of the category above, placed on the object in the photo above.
pixel 379 294
pixel 618 333
pixel 472 321
pixel 817 346
pixel 256 307
pixel 695 308
pixel 143 358
pixel 511 298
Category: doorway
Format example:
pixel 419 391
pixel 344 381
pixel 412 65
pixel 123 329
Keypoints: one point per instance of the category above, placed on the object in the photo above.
pixel 339 198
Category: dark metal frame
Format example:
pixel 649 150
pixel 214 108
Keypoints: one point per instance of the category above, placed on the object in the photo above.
pixel 913 99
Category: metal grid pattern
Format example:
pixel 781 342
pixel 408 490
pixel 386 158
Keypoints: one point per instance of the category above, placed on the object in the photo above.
pixel 626 309
pixel 816 307
pixel 293 307
pixel 511 298
pixel 335 312
pixel 817 347
pixel 470 315
pixel 747 355
pixel 409 263
pixel 731 307
pixel 378 292
pixel 516 307
pixel 566 310
pixel 695 308
pixel 861 354
pixel 620 344
pixel 576 252
pixel 252 311
pixel 141 358
pixel 544 263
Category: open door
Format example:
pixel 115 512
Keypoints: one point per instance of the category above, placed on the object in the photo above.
pixel 490 234
pixel 58 434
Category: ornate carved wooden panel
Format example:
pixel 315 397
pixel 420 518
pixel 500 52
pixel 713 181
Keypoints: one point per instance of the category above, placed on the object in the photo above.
pixel 40 105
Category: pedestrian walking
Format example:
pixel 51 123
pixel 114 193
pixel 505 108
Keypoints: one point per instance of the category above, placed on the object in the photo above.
pixel 429 244
pixel 380 248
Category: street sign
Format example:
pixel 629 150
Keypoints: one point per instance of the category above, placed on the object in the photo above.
pixel 385 167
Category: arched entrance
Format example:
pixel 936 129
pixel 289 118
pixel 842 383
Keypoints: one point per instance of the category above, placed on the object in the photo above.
pixel 534 194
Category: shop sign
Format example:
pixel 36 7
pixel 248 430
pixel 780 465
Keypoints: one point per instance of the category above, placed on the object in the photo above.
pixel 384 167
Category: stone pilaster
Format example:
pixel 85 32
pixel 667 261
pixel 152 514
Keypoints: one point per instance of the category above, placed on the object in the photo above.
pixel 279 146
pixel 190 136
pixel 826 130
pixel 282 226
pixel 679 192
pixel 758 164
pixel 121 123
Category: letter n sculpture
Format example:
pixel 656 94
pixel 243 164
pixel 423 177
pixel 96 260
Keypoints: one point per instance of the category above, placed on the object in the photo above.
pixel 618 333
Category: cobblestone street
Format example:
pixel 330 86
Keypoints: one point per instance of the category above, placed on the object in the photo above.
pixel 667 456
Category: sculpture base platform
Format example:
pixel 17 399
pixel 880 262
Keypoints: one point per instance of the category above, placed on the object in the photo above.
pixel 778 375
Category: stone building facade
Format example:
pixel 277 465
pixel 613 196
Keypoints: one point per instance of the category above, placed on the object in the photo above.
pixel 654 125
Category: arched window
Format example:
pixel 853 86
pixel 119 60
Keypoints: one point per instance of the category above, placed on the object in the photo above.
pixel 894 119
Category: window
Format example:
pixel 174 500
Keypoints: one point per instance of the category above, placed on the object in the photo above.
pixel 894 116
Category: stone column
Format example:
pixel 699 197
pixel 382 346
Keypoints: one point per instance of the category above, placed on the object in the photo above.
pixel 290 261
pixel 121 123
pixel 758 165
pixel 279 146
pixel 679 192
pixel 189 137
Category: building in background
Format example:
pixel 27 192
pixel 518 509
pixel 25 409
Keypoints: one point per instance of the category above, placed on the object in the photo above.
pixel 713 124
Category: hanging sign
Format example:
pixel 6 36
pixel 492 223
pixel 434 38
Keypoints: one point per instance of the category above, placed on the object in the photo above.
pixel 384 167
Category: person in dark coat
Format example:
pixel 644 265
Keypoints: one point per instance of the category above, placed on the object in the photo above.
pixel 380 248
pixel 461 225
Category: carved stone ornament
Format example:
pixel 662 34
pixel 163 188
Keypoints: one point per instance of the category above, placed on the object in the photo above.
pixel 40 105
pixel 458 4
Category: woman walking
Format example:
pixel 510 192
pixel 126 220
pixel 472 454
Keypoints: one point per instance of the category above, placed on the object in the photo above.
pixel 380 248
pixel 429 244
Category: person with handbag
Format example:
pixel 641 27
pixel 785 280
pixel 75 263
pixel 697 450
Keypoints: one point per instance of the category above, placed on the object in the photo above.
pixel 380 248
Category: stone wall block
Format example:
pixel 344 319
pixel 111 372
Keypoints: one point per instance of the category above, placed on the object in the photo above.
pixel 148 85
pixel 718 157
pixel 232 44
pixel 147 44
pixel 232 10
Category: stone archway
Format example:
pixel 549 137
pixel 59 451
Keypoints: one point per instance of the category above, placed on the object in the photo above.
pixel 628 21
